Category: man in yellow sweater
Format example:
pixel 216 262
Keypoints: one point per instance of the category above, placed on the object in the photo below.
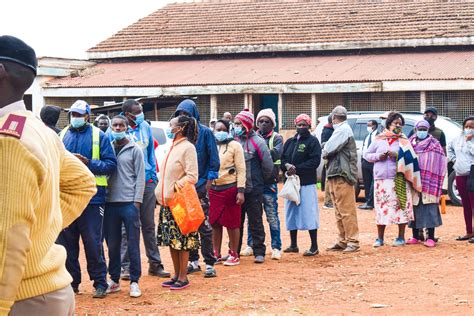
pixel 42 189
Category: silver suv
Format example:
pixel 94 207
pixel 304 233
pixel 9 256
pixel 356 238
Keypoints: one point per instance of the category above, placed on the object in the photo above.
pixel 358 122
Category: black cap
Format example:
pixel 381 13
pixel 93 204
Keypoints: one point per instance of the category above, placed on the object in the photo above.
pixel 15 50
pixel 431 109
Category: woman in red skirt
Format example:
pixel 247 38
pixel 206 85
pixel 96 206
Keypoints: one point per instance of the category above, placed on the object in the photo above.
pixel 227 193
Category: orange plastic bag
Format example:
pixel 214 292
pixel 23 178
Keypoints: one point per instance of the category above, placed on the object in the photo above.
pixel 186 209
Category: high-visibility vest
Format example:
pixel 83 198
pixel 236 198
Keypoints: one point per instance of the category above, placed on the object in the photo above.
pixel 271 146
pixel 99 180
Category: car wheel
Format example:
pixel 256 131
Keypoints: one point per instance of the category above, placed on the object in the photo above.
pixel 453 190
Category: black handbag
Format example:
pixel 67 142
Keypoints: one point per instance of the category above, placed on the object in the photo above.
pixel 471 179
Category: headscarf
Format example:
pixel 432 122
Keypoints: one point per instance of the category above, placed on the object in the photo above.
pixel 303 117
pixel 422 123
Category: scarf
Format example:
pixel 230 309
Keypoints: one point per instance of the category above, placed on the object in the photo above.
pixel 407 166
pixel 432 162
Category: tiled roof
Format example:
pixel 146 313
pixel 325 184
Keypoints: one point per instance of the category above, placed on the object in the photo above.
pixel 276 22
pixel 282 70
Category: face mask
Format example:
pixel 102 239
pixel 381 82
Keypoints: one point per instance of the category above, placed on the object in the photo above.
pixel 170 134
pixel 336 126
pixel 238 130
pixel 468 131
pixel 77 122
pixel 221 136
pixel 397 130
pixel 302 131
pixel 430 120
pixel 139 118
pixel 369 129
pixel 104 128
pixel 421 134
pixel 118 135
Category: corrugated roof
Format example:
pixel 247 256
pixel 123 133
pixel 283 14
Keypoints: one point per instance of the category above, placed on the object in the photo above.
pixel 265 22
pixel 286 70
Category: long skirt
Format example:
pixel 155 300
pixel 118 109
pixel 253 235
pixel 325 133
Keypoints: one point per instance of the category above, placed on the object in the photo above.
pixel 223 208
pixel 426 216
pixel 387 205
pixel 306 215
pixel 169 233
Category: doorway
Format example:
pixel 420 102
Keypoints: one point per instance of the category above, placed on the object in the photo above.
pixel 266 101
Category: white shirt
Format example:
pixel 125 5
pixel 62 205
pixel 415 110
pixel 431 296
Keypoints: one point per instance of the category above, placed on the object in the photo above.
pixel 12 107
pixel 370 137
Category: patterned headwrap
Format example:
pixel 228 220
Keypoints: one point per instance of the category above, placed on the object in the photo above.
pixel 422 123
pixel 303 117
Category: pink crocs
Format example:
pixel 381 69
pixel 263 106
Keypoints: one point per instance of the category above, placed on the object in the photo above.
pixel 412 241
pixel 430 243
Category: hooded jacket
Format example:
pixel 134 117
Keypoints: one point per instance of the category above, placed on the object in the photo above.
pixel 50 115
pixel 206 147
pixel 79 141
pixel 259 166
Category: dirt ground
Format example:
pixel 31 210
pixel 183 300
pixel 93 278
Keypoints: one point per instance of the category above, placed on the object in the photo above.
pixel 387 280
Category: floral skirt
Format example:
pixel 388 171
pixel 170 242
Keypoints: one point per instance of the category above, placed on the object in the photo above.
pixel 387 205
pixel 169 233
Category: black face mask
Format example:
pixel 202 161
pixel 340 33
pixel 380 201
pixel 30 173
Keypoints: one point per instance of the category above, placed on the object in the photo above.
pixel 265 128
pixel 430 120
pixel 302 131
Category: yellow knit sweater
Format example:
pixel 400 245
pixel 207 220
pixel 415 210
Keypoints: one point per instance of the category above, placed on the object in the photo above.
pixel 43 188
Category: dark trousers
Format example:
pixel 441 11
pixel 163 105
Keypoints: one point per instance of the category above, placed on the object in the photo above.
pixel 368 176
pixel 205 232
pixel 127 214
pixel 147 219
pixel 254 211
pixel 467 199
pixel 89 227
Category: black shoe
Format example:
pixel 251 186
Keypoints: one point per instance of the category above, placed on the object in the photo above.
pixel 75 289
pixel 156 269
pixel 309 253
pixel 471 240
pixel 193 269
pixel 100 293
pixel 365 207
pixel 336 247
pixel 291 250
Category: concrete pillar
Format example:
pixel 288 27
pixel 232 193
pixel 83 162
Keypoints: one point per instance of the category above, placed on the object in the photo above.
pixel 213 106
pixel 155 110
pixel 314 113
pixel 37 98
pixel 280 111
pixel 422 101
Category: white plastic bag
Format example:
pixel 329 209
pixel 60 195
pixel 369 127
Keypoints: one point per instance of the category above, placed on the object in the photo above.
pixel 291 189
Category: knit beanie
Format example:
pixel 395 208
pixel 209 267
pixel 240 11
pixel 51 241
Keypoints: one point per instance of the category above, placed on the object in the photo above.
pixel 247 119
pixel 267 113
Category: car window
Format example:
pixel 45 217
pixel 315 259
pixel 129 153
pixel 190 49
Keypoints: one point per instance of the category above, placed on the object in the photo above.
pixel 408 128
pixel 360 131
pixel 159 135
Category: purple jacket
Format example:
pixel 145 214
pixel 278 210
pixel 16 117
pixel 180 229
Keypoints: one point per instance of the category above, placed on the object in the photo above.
pixel 383 169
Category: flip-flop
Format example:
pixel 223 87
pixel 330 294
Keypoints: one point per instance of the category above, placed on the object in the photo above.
pixel 463 238
pixel 309 253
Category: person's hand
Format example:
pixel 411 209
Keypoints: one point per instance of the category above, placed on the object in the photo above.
pixel 179 184
pixel 392 154
pixel 469 137
pixel 83 159
pixel 291 170
pixel 383 156
pixel 240 198
pixel 208 184
pixel 137 205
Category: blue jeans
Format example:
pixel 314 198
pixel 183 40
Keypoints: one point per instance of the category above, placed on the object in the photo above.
pixel 88 226
pixel 116 215
pixel 270 205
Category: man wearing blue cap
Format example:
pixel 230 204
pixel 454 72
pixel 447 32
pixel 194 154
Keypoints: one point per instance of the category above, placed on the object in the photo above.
pixel 90 145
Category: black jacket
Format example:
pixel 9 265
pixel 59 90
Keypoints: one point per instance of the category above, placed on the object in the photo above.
pixel 305 155
pixel 326 133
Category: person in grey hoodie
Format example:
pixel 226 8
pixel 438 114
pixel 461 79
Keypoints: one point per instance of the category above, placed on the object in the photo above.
pixel 124 197
pixel 259 170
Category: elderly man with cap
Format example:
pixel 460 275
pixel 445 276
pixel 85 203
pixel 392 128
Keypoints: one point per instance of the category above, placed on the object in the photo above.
pixel 43 188
pixel 266 123
pixel 341 152
pixel 91 146
pixel 259 170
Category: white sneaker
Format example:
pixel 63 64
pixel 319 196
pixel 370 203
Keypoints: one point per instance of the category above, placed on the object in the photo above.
pixel 112 287
pixel 247 252
pixel 276 254
pixel 135 290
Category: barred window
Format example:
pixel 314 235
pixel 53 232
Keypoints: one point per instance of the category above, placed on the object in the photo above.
pixel 233 103
pixel 454 104
pixel 293 105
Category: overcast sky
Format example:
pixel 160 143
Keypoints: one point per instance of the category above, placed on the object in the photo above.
pixel 65 28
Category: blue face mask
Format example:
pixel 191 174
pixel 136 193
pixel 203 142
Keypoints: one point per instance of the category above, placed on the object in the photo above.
pixel 238 130
pixel 78 122
pixel 119 135
pixel 170 134
pixel 221 136
pixel 139 118
pixel 468 131
pixel 421 134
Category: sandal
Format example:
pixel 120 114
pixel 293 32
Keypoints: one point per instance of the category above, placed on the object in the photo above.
pixel 463 238
pixel 179 285
pixel 309 253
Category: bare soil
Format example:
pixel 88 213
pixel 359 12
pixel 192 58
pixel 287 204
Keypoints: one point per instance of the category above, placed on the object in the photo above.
pixel 388 280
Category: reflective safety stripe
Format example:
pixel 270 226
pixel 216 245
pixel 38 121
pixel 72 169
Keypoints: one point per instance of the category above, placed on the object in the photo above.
pixel 271 146
pixel 99 180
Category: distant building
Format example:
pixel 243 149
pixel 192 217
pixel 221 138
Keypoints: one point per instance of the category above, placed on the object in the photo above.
pixel 291 56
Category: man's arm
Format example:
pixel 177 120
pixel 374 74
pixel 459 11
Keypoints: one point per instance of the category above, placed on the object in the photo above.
pixel 107 163
pixel 139 165
pixel 337 141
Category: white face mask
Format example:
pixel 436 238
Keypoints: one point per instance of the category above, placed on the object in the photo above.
pixel 369 129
